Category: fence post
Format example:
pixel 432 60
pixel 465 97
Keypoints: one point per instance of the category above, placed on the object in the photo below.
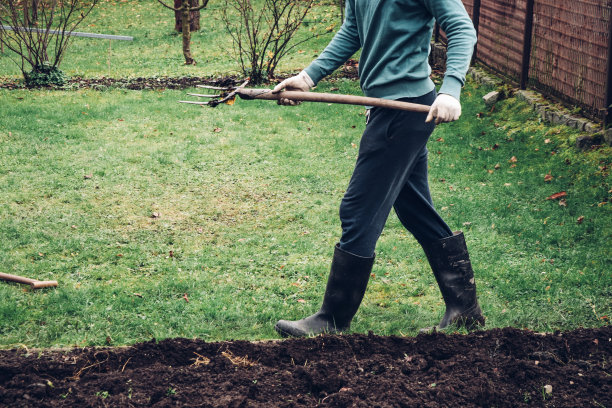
pixel 608 96
pixel 476 21
pixel 527 44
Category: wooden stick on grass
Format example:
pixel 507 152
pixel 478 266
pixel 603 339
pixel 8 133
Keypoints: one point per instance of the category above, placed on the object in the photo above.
pixel 35 284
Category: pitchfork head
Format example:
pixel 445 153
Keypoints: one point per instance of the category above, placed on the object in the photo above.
pixel 226 95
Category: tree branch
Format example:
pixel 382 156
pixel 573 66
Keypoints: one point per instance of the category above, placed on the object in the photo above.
pixel 165 5
pixel 199 7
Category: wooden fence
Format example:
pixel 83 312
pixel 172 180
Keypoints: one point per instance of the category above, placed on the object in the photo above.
pixel 562 48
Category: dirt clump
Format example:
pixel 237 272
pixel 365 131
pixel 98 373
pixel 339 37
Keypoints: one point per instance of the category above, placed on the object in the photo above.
pixel 499 367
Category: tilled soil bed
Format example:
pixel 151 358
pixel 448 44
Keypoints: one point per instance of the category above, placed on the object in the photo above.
pixel 494 368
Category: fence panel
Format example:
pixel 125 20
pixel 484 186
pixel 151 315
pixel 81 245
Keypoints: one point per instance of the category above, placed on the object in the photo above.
pixel 569 55
pixel 569 52
pixel 500 35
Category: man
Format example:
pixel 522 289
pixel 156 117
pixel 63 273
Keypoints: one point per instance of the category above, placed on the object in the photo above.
pixel 391 169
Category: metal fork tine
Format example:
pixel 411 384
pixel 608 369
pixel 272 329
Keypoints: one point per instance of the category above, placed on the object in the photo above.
pixel 203 96
pixel 195 102
pixel 218 88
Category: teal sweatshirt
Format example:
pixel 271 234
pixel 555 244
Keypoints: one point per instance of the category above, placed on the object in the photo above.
pixel 394 37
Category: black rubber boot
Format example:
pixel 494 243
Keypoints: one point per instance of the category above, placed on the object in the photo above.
pixel 346 286
pixel 450 262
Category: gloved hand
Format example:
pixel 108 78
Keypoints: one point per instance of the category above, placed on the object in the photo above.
pixel 301 82
pixel 445 108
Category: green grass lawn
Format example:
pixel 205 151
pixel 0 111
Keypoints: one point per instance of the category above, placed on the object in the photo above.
pixel 163 220
pixel 157 49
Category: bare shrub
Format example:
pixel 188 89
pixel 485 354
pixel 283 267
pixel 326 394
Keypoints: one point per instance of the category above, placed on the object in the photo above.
pixel 38 34
pixel 262 34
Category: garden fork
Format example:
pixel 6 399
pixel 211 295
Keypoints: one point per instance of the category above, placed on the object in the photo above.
pixel 228 96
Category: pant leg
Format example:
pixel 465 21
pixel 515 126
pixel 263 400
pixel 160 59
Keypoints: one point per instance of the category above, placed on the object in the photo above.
pixel 414 206
pixel 392 144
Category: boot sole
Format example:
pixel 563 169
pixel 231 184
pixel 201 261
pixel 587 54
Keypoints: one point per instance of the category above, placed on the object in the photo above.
pixel 288 333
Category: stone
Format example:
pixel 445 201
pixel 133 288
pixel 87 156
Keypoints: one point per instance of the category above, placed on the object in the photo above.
pixel 592 127
pixel 529 96
pixel 559 118
pixel 588 141
pixel 580 123
pixel 490 98
pixel 584 142
pixel 608 137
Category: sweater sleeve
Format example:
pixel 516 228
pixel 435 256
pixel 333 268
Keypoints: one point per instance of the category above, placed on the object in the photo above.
pixel 456 23
pixel 344 44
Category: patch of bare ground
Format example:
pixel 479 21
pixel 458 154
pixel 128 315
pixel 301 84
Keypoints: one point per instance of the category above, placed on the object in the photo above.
pixel 499 367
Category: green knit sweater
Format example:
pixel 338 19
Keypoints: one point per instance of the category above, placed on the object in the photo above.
pixel 394 37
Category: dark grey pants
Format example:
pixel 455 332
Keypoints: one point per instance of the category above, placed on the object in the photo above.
pixel 391 171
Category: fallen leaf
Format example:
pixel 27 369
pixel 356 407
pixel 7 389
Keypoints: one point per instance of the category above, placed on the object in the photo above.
pixel 186 298
pixel 301 301
pixel 557 195
pixel 439 139
pixel 497 166
pixel 495 146
pixel 563 202
pixel 217 130
pixel 547 141
pixel 88 176
pixel 513 159
pixel 155 215
pixel 548 177
pixel 580 219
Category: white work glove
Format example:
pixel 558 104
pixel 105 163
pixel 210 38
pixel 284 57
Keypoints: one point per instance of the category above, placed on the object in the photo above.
pixel 301 82
pixel 445 108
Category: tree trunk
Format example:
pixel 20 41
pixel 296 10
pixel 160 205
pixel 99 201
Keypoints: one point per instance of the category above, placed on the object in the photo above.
pixel 34 19
pixel 186 33
pixel 194 16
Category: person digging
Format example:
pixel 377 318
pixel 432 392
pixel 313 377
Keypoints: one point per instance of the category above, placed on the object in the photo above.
pixel 391 168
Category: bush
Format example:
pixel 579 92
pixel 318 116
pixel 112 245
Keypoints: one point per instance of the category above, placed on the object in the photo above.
pixel 38 32
pixel 44 75
pixel 263 32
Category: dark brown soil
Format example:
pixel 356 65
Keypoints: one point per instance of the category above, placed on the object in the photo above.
pixel 500 367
